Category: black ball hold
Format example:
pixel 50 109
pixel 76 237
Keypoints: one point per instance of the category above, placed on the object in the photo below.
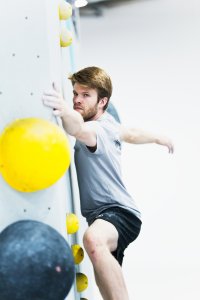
pixel 36 262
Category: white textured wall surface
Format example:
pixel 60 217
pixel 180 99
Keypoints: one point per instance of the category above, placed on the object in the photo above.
pixel 30 35
pixel 30 59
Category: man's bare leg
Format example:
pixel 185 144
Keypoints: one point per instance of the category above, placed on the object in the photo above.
pixel 100 240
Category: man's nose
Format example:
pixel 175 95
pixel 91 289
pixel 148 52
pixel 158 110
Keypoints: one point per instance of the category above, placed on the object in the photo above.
pixel 77 99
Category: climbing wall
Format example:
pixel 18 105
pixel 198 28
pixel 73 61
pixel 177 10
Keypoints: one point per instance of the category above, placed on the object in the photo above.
pixel 35 51
pixel 30 61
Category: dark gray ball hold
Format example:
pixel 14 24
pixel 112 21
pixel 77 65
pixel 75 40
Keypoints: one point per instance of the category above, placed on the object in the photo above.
pixel 36 262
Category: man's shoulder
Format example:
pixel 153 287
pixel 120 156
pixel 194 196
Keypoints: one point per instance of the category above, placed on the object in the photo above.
pixel 109 123
pixel 105 126
pixel 107 120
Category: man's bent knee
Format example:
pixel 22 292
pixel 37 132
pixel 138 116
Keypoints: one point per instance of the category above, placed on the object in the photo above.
pixel 101 237
pixel 94 245
pixel 91 240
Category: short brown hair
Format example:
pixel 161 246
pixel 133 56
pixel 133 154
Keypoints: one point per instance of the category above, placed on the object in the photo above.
pixel 95 78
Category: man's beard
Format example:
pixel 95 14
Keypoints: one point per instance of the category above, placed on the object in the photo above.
pixel 90 113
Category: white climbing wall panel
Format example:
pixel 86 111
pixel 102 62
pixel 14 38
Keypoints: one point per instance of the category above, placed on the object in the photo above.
pixel 30 59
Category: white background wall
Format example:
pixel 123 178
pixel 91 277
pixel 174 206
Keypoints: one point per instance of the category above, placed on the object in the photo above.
pixel 151 50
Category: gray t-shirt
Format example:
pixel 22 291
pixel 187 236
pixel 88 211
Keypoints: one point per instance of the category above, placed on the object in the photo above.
pixel 99 173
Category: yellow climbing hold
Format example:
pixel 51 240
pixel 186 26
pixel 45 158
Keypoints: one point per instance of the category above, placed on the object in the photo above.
pixel 0 155
pixel 65 37
pixel 81 282
pixel 72 223
pixel 34 153
pixel 78 253
pixel 65 10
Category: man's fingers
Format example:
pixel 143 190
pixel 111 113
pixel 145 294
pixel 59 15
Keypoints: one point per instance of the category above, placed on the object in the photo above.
pixel 56 87
pixel 52 104
pixel 50 99
pixel 56 112
pixel 51 92
pixel 171 148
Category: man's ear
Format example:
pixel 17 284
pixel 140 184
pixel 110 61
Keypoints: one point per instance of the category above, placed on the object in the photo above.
pixel 103 101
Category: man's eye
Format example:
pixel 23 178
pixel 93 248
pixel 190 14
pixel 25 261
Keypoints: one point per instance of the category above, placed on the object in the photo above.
pixel 86 95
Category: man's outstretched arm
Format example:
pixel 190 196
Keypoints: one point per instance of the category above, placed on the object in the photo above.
pixel 72 121
pixel 137 136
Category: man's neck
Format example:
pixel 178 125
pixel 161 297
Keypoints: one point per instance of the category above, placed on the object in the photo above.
pixel 97 116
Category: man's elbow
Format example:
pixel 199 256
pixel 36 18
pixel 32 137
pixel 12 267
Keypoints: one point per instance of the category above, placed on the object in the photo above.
pixel 89 139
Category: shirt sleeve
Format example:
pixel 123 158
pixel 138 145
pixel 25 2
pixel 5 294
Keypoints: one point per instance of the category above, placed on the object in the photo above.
pixel 101 139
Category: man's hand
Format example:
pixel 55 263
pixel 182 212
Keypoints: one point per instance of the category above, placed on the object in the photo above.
pixel 53 98
pixel 72 120
pixel 164 141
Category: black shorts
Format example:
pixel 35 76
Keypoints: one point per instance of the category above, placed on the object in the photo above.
pixel 127 225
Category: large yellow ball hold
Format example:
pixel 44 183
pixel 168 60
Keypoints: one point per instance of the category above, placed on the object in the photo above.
pixel 34 154
pixel 0 155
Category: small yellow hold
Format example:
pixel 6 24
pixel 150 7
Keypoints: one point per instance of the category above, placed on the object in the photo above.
pixel 72 223
pixel 81 282
pixel 65 37
pixel 78 253
pixel 65 10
